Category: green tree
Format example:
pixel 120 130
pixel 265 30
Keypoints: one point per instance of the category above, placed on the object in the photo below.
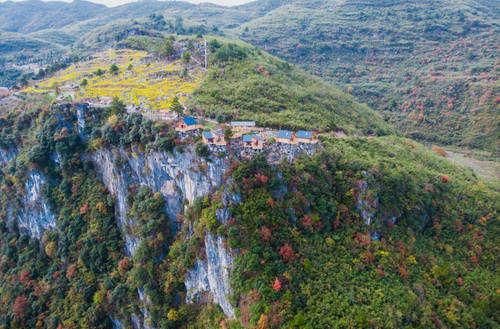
pixel 176 106
pixel 117 106
pixel 99 72
pixel 202 150
pixel 114 69
pixel 167 47
pixel 186 57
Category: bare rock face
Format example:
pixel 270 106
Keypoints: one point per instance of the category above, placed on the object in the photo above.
pixel 36 216
pixel 366 202
pixel 181 178
pixel 6 155
pixel 212 275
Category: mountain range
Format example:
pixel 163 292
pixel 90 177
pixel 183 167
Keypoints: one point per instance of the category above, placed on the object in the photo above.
pixel 427 66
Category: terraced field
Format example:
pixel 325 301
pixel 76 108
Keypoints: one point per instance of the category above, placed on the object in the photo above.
pixel 138 78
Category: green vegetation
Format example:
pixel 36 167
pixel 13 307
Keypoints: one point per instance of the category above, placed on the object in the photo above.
pixel 307 260
pixel 428 66
pixel 245 83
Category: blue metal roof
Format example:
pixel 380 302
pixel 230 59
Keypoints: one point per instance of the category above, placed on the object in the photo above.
pixel 248 138
pixel 285 134
pixel 190 121
pixel 304 134
pixel 208 135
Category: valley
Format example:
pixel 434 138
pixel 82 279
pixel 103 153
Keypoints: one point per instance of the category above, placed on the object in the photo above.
pixel 169 165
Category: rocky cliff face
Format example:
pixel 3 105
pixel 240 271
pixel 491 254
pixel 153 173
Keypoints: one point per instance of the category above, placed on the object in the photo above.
pixel 366 202
pixel 212 275
pixel 6 155
pixel 36 216
pixel 181 177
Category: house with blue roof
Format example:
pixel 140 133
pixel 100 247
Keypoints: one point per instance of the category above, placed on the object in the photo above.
pixel 305 136
pixel 285 136
pixel 253 141
pixel 215 137
pixel 187 123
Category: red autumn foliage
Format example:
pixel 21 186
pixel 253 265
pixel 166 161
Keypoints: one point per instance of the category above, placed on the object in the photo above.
pixel 84 209
pixel 266 233
pixel 271 203
pixel 459 226
pixel 286 252
pixel 307 221
pixel 368 257
pixel 363 239
pixel 261 178
pixel 71 271
pixel 277 285
pixel 124 265
pixel 20 306
pixel 24 278
pixel 445 179
pixel 380 271
pixel 403 271
pixel 402 248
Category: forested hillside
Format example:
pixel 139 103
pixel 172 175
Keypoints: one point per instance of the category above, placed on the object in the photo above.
pixel 429 66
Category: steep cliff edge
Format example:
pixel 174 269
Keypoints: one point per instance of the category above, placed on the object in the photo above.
pixel 138 229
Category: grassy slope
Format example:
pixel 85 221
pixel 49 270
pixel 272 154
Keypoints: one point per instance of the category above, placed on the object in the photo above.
pixel 429 66
pixel 140 80
pixel 277 94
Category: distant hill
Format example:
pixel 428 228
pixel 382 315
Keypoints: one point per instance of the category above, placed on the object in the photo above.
pixel 427 65
pixel 35 15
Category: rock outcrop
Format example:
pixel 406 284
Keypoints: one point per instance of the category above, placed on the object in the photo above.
pixel 35 216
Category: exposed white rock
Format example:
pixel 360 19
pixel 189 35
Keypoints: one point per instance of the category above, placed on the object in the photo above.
pixel 179 177
pixel 212 275
pixel 80 117
pixel 366 202
pixel 117 324
pixel 6 155
pixel 35 217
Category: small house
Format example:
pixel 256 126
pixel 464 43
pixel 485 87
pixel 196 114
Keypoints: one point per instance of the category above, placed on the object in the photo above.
pixel 253 141
pixel 305 136
pixel 214 137
pixel 208 137
pixel 187 123
pixel 242 126
pixel 285 136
